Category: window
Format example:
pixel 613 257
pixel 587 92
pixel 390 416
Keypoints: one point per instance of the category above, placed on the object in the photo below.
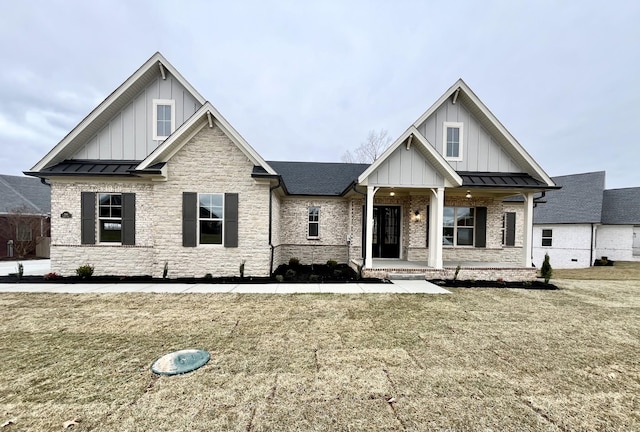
pixel 314 222
pixel 547 237
pixel 452 141
pixel 508 229
pixel 458 227
pixel 23 231
pixel 163 118
pixel 211 218
pixel 110 218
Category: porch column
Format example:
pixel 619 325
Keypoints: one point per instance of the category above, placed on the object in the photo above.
pixel 527 243
pixel 436 219
pixel 368 258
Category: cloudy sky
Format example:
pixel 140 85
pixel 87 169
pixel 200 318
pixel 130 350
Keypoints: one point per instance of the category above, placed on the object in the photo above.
pixel 307 80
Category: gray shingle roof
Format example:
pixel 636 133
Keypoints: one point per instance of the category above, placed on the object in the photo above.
pixel 28 192
pixel 621 206
pixel 579 200
pixel 317 178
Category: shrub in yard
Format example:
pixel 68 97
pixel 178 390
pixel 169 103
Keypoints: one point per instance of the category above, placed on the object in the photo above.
pixel 294 262
pixel 290 274
pixel 20 270
pixel 208 276
pixel 279 278
pixel 165 271
pixel 314 278
pixel 51 276
pixel 85 271
pixel 546 271
pixel 242 269
pixel 332 263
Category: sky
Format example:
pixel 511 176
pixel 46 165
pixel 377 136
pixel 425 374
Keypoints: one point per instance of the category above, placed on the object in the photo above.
pixel 308 80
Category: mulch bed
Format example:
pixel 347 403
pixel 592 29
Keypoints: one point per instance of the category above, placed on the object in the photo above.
pixel 450 283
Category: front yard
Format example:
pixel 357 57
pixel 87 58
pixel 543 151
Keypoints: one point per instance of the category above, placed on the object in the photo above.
pixel 480 359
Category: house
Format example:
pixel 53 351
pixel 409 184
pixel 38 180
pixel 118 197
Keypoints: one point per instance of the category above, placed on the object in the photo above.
pixel 25 204
pixel 584 221
pixel 155 176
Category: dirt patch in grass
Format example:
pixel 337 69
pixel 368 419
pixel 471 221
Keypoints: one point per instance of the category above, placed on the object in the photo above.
pixel 481 359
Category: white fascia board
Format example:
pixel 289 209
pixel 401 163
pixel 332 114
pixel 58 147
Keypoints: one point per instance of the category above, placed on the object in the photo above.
pixel 441 164
pixel 117 93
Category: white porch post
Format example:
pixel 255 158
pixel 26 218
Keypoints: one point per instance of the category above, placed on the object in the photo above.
pixel 368 258
pixel 527 243
pixel 436 219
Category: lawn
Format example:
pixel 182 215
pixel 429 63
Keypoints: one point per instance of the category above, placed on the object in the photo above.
pixel 480 359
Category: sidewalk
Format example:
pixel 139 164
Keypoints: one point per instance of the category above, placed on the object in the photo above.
pixel 397 287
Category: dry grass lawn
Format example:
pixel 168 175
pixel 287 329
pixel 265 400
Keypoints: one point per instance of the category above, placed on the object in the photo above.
pixel 481 359
pixel 620 271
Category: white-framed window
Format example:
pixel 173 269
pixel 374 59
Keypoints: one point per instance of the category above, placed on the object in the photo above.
pixel 453 140
pixel 210 218
pixel 314 222
pixel 458 226
pixel 164 118
pixel 110 218
pixel 23 231
pixel 547 237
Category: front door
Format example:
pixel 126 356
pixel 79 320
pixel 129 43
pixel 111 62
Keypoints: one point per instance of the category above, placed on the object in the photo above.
pixel 386 232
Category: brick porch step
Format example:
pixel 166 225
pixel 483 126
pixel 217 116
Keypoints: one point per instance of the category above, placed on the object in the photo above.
pixel 406 276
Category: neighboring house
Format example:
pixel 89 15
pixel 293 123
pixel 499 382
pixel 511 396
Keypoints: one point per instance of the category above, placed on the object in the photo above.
pixel 156 175
pixel 582 222
pixel 25 207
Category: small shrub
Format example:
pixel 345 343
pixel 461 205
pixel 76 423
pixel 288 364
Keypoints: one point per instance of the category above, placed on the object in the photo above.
pixel 165 271
pixel 546 271
pixel 337 273
pixel 455 275
pixel 294 262
pixel 279 278
pixel 314 278
pixel 51 276
pixel 500 281
pixel 20 270
pixel 332 263
pixel 526 283
pixel 85 271
pixel 290 274
pixel 242 269
pixel 208 276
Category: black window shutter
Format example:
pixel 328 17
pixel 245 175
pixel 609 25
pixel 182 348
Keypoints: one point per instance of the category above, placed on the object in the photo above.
pixel 128 218
pixel 231 220
pixel 481 227
pixel 88 223
pixel 189 219
pixel 428 220
pixel 510 238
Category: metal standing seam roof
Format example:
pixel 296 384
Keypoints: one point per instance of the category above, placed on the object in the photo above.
pixel 621 206
pixel 511 180
pixel 28 192
pixel 579 200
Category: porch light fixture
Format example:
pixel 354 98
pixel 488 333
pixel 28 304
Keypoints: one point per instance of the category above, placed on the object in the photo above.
pixel 468 195
pixel 418 216
pixel 392 193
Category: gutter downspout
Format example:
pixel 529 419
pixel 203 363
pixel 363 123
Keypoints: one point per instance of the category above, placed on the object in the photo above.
pixel 271 189
pixel 591 247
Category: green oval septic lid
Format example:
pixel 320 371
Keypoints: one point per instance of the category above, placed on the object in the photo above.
pixel 180 362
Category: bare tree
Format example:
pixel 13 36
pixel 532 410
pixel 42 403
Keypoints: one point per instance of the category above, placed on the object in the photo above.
pixel 370 150
pixel 24 228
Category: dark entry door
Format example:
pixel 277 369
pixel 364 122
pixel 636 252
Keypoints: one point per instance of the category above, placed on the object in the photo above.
pixel 386 232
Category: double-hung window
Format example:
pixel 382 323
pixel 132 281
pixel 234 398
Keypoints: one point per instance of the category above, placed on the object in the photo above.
pixel 211 218
pixel 110 217
pixel 23 231
pixel 452 135
pixel 458 227
pixel 314 222
pixel 547 237
pixel 164 116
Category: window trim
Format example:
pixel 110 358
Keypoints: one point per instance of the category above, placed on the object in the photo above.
pixel 198 219
pixel 310 222
pixel 27 230
pixel 460 127
pixel 154 127
pixel 103 218
pixel 548 237
pixel 456 227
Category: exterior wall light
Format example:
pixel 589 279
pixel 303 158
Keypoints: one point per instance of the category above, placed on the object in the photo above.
pixel 468 195
pixel 417 215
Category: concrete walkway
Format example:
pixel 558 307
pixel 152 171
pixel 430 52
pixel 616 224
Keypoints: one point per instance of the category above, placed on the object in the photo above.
pixel 41 267
pixel 397 287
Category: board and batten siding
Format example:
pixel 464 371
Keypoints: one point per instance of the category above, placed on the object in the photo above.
pixel 406 168
pixel 128 135
pixel 480 151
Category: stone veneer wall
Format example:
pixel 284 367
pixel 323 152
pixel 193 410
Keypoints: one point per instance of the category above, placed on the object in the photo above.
pixel 209 163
